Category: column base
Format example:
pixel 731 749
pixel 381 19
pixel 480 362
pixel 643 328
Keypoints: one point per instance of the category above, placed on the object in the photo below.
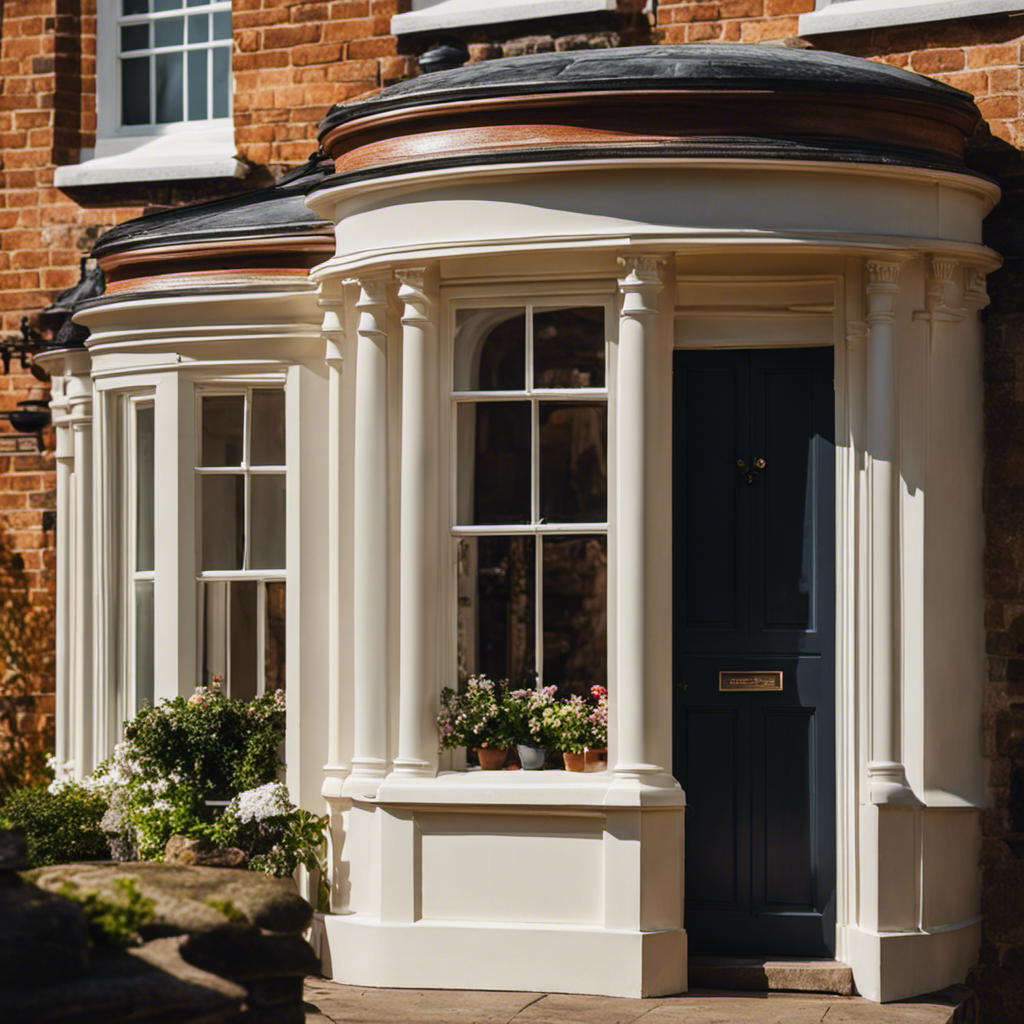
pixel 899 965
pixel 520 957
pixel 412 766
pixel 887 784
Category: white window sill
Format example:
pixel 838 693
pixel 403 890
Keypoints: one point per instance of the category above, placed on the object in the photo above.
pixel 174 156
pixel 456 14
pixel 852 15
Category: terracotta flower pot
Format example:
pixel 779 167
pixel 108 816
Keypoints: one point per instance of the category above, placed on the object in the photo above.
pixel 573 762
pixel 491 758
pixel 595 760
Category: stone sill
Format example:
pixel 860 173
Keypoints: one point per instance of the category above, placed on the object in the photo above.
pixel 455 14
pixel 854 15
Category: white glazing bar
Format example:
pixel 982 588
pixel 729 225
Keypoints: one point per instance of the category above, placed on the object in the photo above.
pixel 370 547
pixel 65 461
pixel 635 479
pixel 886 775
pixel 420 525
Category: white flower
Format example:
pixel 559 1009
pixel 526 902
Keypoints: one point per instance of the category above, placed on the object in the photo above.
pixel 269 801
pixel 63 774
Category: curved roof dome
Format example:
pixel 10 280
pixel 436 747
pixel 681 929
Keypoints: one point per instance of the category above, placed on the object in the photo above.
pixel 277 210
pixel 740 100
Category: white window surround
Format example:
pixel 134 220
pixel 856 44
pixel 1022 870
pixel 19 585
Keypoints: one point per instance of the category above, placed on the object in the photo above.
pixel 435 15
pixel 173 152
pixel 851 15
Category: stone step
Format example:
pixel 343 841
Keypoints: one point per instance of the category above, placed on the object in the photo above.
pixel 775 974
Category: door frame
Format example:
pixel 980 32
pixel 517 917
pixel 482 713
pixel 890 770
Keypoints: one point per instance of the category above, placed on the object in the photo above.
pixel 792 311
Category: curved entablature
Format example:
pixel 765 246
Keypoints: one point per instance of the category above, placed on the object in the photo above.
pixel 251 238
pixel 694 101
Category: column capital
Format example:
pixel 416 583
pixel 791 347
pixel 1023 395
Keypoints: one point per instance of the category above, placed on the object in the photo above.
pixel 882 275
pixel 373 290
pixel 332 329
pixel 939 282
pixel 415 294
pixel 975 288
pixel 640 272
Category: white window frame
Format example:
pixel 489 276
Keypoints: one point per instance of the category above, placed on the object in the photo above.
pixel 180 151
pixel 440 15
pixel 130 403
pixel 852 15
pixel 260 576
pixel 526 300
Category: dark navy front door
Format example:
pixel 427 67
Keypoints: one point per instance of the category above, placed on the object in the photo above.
pixel 754 596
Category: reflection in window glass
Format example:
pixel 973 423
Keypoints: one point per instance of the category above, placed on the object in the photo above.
pixel 494 462
pixel 266 521
pixel 223 430
pixel 575 582
pixel 267 427
pixel 169 84
pixel 135 91
pixel 273 641
pixel 573 462
pixel 144 633
pixel 230 628
pixel 568 348
pixel 497 608
pixel 144 483
pixel 490 350
pixel 222 500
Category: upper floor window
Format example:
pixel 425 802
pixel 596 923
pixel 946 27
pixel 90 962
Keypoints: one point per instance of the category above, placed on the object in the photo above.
pixel 174 61
pixel 163 94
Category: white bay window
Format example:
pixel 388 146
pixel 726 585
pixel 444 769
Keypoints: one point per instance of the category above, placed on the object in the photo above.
pixel 240 499
pixel 530 492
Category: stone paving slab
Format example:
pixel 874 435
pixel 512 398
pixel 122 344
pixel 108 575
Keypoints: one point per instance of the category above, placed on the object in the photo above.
pixel 329 1003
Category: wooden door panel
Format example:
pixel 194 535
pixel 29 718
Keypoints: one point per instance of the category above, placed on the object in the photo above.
pixel 754 593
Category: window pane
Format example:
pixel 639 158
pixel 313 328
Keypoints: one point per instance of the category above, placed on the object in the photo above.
pixel 267 525
pixel 575 585
pixel 221 82
pixel 568 348
pixel 166 5
pixel 273 647
pixel 222 500
pixel 144 482
pixel 490 350
pixel 135 91
pixel 223 426
pixel 143 644
pixel 573 462
pixel 494 463
pixel 169 32
pixel 135 7
pixel 198 28
pixel 134 37
pixel 197 107
pixel 497 608
pixel 169 103
pixel 229 632
pixel 222 25
pixel 267 447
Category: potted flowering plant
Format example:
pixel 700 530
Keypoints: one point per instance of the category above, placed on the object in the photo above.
pixel 568 721
pixel 525 709
pixel 476 719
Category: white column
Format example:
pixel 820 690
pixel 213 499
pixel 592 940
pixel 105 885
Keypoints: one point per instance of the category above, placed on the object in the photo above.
pixel 886 774
pixel 65 459
pixel 333 331
pixel 370 533
pixel 637 476
pixel 80 404
pixel 421 540
pixel 174 589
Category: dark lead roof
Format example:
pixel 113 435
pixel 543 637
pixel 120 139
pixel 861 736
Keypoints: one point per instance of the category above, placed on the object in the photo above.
pixel 274 211
pixel 720 66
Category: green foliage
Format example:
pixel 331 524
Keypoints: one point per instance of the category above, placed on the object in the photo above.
pixel 60 826
pixel 113 922
pixel 183 753
pixel 228 909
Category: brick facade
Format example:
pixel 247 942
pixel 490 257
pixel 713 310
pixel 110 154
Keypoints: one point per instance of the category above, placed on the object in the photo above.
pixel 294 58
